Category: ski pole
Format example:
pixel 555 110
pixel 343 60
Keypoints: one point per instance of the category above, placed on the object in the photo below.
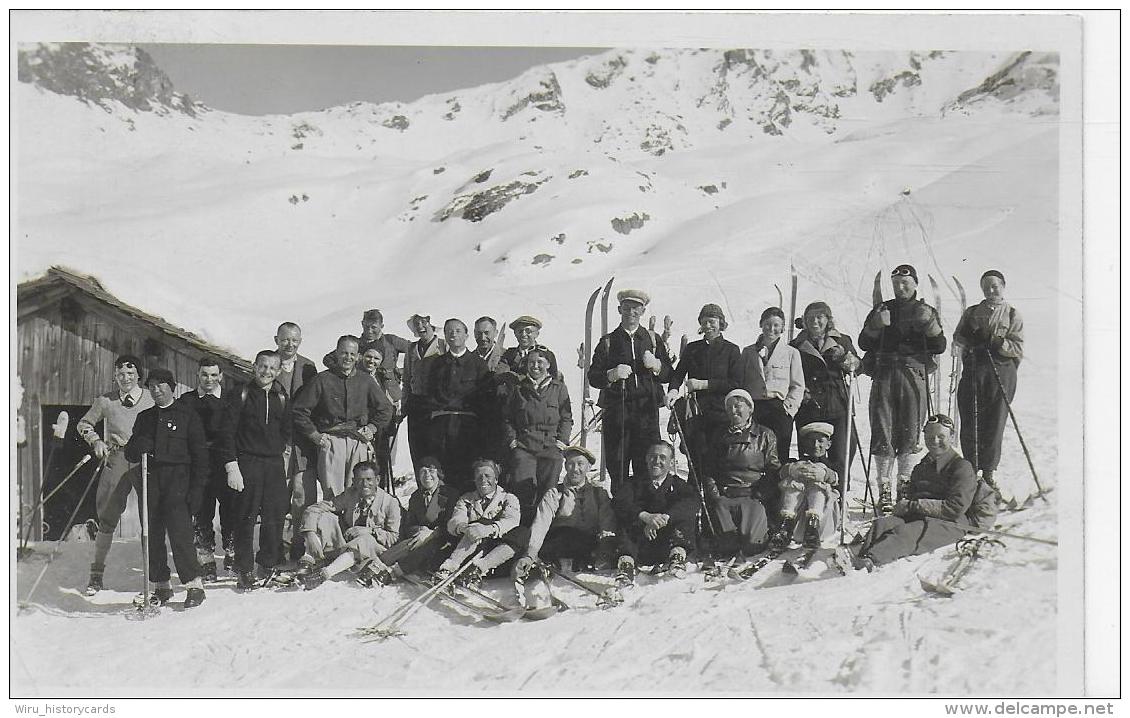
pixel 695 474
pixel 993 532
pixel 1039 489
pixel 27 529
pixel 63 536
pixel 390 626
pixel 144 532
pixel 847 464
pixel 976 424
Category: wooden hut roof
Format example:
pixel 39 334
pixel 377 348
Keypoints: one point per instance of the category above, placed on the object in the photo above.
pixel 33 295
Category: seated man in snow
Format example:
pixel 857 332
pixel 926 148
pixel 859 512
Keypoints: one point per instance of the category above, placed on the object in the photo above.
pixel 810 485
pixel 355 526
pixel 939 494
pixel 741 469
pixel 657 515
pixel 573 520
pixel 485 521
pixel 423 531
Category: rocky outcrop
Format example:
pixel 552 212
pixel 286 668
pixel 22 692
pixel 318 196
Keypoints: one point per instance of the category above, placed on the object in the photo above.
pixel 102 75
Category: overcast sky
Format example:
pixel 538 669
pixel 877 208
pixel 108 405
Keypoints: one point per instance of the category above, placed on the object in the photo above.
pixel 267 79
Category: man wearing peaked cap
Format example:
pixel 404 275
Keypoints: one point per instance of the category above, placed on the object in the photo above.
pixel 526 330
pixel 629 366
pixel 901 337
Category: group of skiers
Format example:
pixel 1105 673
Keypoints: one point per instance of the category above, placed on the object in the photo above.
pixel 490 433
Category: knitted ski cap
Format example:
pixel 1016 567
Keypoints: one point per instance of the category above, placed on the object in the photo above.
pixel 740 394
pixel 711 310
pixel 161 376
pixel 525 321
pixel 993 273
pixel 579 451
pixel 633 295
pixel 771 312
pixel 905 270
pixel 818 308
pixel 817 427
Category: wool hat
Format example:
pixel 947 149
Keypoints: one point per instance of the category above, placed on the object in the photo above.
pixel 161 376
pixel 633 295
pixel 771 312
pixel 993 273
pixel 578 451
pixel 741 394
pixel 525 321
pixel 817 427
pixel 711 310
pixel 905 270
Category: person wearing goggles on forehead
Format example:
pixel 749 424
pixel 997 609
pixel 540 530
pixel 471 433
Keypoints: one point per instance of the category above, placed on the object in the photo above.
pixel 989 339
pixel 119 410
pixel 901 337
pixel 942 486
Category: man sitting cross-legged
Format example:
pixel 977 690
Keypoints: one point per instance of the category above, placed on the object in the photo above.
pixel 356 526
pixel 485 520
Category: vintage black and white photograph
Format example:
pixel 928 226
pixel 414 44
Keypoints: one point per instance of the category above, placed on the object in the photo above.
pixel 363 353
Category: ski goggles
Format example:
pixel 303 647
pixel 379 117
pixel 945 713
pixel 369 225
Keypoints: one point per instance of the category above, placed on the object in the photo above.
pixel 902 272
pixel 941 419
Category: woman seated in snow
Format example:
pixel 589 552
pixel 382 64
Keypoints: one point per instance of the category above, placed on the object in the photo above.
pixel 740 472
pixel 939 495
pixel 356 526
pixel 812 486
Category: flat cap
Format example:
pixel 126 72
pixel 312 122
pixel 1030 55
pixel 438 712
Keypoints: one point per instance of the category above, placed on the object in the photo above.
pixel 817 427
pixel 525 321
pixel 579 450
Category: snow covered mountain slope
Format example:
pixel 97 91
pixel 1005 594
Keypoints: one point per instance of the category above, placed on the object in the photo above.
pixel 698 175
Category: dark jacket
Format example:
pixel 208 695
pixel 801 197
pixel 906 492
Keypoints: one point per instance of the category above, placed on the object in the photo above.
pixel 172 436
pixel 942 493
pixel 742 462
pixel 538 418
pixel 256 422
pixel 210 409
pixel 457 383
pixel 825 391
pixel 434 515
pixel 416 366
pixel 913 337
pixel 302 373
pixel 617 348
pixel 674 497
pixel 340 405
pixel 720 364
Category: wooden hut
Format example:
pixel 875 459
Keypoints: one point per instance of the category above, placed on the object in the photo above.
pixel 69 332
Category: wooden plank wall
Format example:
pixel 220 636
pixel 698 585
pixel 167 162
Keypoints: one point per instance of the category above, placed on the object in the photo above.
pixel 65 355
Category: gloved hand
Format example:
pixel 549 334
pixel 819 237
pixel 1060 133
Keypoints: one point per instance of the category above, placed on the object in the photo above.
pixel 354 531
pixel 672 396
pixel 619 373
pixel 523 566
pixel 235 476
pixel 101 450
pixel 650 362
pixel 420 535
pixel 478 532
pixel 883 316
pixel 835 352
pixel 697 384
pixel 712 491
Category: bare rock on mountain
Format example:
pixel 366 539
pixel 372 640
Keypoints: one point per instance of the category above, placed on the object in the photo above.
pixel 547 98
pixel 474 207
pixel 103 74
